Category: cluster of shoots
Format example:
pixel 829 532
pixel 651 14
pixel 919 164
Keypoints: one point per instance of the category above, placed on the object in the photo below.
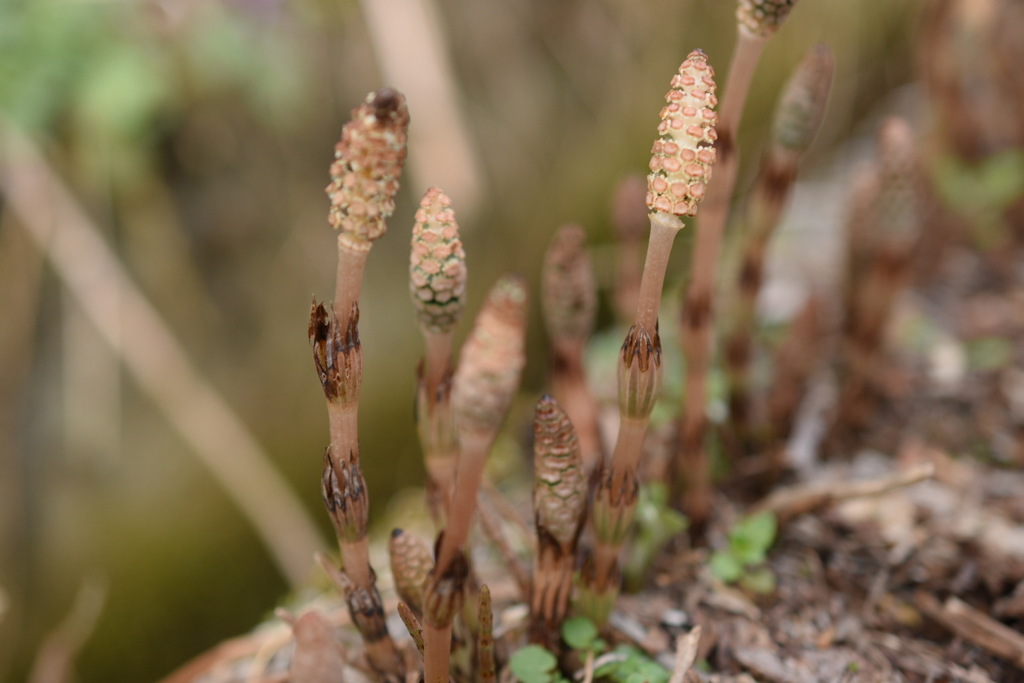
pixel 585 491
pixel 461 405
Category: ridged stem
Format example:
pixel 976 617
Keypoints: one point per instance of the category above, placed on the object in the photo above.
pixel 435 423
pixel 765 206
pixel 664 227
pixel 569 386
pixel 486 668
pixel 692 477
pixel 473 449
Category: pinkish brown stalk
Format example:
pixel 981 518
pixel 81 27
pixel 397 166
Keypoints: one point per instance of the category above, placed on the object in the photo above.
pixel 364 180
pixel 484 385
pixel 797 119
pixel 559 506
pixel 570 304
pixel 795 362
pixel 757 21
pixel 443 595
pixel 437 283
pixel 681 161
pixel 882 253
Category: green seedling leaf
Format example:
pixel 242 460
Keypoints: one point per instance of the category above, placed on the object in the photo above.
pixel 533 664
pixel 637 667
pixel 989 353
pixel 752 536
pixel 726 567
pixel 760 581
pixel 1002 177
pixel 579 633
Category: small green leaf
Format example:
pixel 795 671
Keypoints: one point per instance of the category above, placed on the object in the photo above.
pixel 752 536
pixel 989 353
pixel 726 567
pixel 1002 177
pixel 760 581
pixel 579 633
pixel 533 664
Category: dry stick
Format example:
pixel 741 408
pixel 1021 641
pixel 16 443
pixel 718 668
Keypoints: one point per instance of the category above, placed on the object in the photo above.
pixel 486 668
pixel 559 507
pixel 490 365
pixel 437 283
pixel 505 508
pixel 974 626
pixel 154 358
pixel 802 499
pixel 692 477
pixel 412 624
pixel 491 523
pixel 687 646
pixel 798 116
pixel 569 298
pixel 364 179
pixel 680 168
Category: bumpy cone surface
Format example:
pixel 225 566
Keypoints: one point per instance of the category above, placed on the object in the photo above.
pixel 899 182
pixel 492 358
pixel 437 266
pixel 570 293
pixel 368 162
pixel 802 106
pixel 683 155
pixel 560 482
pixel 411 561
pixel 763 17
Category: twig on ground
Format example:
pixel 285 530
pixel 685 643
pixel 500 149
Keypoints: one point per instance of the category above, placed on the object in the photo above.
pixel 974 626
pixel 686 653
pixel 490 520
pixel 801 499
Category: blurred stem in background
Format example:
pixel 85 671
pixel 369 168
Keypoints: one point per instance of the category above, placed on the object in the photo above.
pixel 152 355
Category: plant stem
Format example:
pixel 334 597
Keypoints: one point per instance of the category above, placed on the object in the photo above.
pixel 691 470
pixel 486 669
pixel 473 449
pixel 664 228
pixel 766 204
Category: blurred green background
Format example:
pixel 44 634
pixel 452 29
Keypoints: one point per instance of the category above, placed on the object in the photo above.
pixel 197 136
